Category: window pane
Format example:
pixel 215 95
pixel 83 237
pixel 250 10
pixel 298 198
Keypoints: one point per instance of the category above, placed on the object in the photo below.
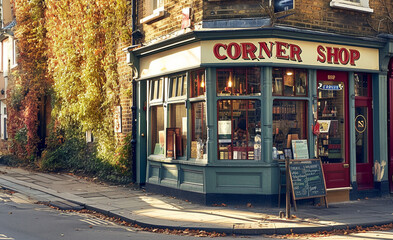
pixel 159 89
pixel 289 123
pixel 157 129
pixel 198 83
pixel 362 87
pixel 238 81
pixel 289 82
pixel 199 130
pixel 178 120
pixel 331 118
pixel 179 86
pixel 239 129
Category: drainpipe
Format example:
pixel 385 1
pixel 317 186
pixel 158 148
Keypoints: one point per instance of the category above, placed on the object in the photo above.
pixel 134 99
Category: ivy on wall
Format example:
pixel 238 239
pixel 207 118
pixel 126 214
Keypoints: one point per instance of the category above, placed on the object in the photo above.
pixel 68 50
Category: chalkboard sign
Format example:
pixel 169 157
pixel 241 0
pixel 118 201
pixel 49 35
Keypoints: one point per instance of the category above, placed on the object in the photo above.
pixel 307 179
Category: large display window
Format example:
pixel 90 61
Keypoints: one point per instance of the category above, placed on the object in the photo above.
pixel 239 129
pixel 289 123
pixel 239 81
pixel 157 130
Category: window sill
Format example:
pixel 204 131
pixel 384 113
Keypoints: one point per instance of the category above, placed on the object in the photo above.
pixel 157 13
pixel 348 6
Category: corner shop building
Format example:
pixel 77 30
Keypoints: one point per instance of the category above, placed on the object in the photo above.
pixel 217 109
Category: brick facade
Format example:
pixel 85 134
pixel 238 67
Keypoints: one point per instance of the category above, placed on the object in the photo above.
pixel 308 14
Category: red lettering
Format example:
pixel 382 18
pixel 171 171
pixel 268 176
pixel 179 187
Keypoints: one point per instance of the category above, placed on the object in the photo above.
pixel 249 50
pixel 344 56
pixel 281 51
pixel 268 52
pixel 321 54
pixel 295 52
pixel 216 51
pixel 332 54
pixel 237 51
pixel 354 55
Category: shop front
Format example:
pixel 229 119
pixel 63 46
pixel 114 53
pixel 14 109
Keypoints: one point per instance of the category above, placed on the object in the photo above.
pixel 222 113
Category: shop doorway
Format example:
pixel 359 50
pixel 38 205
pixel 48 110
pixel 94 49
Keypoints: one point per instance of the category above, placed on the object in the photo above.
pixel 333 141
pixel 364 150
pixel 390 123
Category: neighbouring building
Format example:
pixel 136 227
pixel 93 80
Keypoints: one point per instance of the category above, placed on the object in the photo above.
pixel 224 87
pixel 8 62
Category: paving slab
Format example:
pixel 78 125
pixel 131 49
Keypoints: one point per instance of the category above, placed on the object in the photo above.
pixel 155 210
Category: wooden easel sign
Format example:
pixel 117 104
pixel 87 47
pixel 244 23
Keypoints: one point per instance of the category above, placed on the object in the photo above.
pixel 307 179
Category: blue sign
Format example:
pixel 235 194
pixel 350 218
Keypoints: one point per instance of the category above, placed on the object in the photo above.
pixel 330 87
pixel 283 5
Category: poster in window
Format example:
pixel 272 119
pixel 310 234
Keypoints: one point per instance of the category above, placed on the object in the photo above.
pixel 224 129
pixel 300 149
pixel 324 126
pixel 283 5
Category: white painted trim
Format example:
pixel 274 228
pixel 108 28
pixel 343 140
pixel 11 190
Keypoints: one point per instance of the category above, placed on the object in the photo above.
pixel 361 7
pixel 157 13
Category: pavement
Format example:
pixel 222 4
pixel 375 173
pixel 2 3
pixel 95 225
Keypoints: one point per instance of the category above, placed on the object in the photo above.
pixel 69 192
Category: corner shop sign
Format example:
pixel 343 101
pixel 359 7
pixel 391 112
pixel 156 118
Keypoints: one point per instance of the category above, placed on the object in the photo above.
pixel 287 51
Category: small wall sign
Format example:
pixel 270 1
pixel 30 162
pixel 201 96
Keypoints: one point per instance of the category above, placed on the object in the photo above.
pixel 338 87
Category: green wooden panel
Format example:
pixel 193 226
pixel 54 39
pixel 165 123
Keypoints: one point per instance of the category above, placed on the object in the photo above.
pixel 239 180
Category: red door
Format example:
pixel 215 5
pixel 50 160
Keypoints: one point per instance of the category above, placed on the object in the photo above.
pixel 363 141
pixel 390 123
pixel 333 139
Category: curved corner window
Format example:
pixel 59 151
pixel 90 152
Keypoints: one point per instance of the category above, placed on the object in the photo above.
pixel 289 82
pixel 198 83
pixel 199 130
pixel 178 86
pixel 289 123
pixel 239 129
pixel 239 81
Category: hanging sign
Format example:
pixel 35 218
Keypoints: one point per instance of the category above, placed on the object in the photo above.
pixel 338 87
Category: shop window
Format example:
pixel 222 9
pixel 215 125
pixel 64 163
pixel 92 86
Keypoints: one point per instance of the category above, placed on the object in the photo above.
pixel 289 82
pixel 199 130
pixel 239 129
pixel 177 141
pixel 331 119
pixel 198 83
pixel 156 88
pixel 362 84
pixel 178 86
pixel 238 81
pixel 157 131
pixel 356 5
pixel 289 123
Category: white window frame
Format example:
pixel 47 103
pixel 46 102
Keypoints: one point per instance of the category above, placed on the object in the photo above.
pixel 155 9
pixel 361 6
pixel 14 53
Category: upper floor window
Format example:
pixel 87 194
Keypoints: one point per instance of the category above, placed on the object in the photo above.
pixel 178 86
pixel 154 10
pixel 156 89
pixel 357 5
pixel 289 82
pixel 239 81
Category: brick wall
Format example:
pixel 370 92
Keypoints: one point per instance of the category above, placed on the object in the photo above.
pixel 125 78
pixel 171 22
pixel 308 14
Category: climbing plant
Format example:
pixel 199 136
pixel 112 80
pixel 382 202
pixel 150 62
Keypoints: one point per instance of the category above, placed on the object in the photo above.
pixel 69 54
pixel 30 81
pixel 83 39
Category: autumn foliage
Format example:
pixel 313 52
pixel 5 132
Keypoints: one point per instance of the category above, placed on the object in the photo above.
pixel 68 53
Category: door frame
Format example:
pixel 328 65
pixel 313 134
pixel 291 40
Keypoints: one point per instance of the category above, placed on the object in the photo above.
pixel 390 123
pixel 330 168
pixel 366 168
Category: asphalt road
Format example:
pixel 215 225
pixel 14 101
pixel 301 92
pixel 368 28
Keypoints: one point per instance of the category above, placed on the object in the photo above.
pixel 20 219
